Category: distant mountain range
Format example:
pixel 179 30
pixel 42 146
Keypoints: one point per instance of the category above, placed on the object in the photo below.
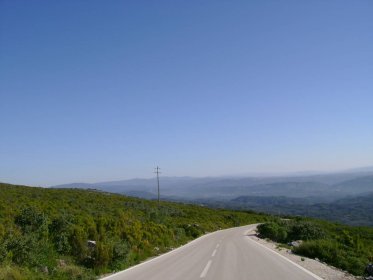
pixel 330 186
pixel 346 197
pixel 352 210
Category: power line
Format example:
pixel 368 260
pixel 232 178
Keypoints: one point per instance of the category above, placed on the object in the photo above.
pixel 158 172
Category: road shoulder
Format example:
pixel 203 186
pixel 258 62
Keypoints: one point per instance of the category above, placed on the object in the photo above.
pixel 320 269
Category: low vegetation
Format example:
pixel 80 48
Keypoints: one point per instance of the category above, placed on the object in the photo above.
pixel 352 210
pixel 79 234
pixel 345 247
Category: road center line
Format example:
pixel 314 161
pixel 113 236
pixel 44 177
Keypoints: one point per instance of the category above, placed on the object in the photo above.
pixel 206 269
pixel 213 253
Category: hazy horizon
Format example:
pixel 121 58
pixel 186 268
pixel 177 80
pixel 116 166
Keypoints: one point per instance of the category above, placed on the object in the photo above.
pixel 94 91
pixel 295 173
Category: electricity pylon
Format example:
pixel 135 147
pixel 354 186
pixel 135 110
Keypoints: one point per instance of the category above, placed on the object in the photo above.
pixel 158 172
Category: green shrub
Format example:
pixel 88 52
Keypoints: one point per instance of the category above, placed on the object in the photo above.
pixel 273 231
pixel 192 230
pixel 330 251
pixel 305 231
pixel 325 250
pixel 31 220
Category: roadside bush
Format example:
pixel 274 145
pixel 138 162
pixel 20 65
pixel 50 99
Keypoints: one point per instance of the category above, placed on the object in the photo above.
pixel 273 231
pixel 285 231
pixel 120 253
pixel 305 231
pixel 179 234
pixel 329 251
pixel 325 250
pixel 193 230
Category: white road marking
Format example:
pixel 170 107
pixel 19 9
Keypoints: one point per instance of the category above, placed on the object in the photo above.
pixel 206 269
pixel 213 253
pixel 217 246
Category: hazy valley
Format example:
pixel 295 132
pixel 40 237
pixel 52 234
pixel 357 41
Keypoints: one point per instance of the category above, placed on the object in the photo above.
pixel 345 196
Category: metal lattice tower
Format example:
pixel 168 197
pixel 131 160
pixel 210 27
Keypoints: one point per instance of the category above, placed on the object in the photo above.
pixel 158 172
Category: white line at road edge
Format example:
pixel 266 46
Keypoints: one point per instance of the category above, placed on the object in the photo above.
pixel 206 269
pixel 158 257
pixel 285 258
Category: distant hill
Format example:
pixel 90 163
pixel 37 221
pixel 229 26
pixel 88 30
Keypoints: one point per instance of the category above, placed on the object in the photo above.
pixel 332 186
pixel 316 195
pixel 357 185
pixel 352 210
pixel 356 210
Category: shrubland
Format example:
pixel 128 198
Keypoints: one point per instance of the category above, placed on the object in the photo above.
pixel 80 234
pixel 346 247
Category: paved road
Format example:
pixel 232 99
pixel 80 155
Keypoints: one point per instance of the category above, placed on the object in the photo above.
pixel 223 255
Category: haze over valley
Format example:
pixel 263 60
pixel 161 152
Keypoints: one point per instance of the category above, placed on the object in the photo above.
pixel 342 196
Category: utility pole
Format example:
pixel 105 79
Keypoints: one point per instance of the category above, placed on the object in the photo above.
pixel 157 172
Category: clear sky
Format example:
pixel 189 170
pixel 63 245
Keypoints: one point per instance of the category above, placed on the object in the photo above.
pixel 105 90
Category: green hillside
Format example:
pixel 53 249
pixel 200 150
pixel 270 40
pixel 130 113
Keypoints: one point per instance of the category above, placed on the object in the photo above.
pixel 78 234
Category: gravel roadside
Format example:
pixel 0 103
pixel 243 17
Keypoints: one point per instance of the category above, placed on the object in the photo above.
pixel 322 270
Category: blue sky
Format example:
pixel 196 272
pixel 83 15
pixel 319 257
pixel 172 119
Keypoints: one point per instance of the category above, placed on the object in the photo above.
pixel 105 90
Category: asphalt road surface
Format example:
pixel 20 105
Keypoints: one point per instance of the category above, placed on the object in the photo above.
pixel 223 255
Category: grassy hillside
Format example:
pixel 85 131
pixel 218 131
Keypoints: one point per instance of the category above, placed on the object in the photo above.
pixel 78 234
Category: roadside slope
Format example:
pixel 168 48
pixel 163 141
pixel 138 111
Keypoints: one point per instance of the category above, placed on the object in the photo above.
pixel 71 233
